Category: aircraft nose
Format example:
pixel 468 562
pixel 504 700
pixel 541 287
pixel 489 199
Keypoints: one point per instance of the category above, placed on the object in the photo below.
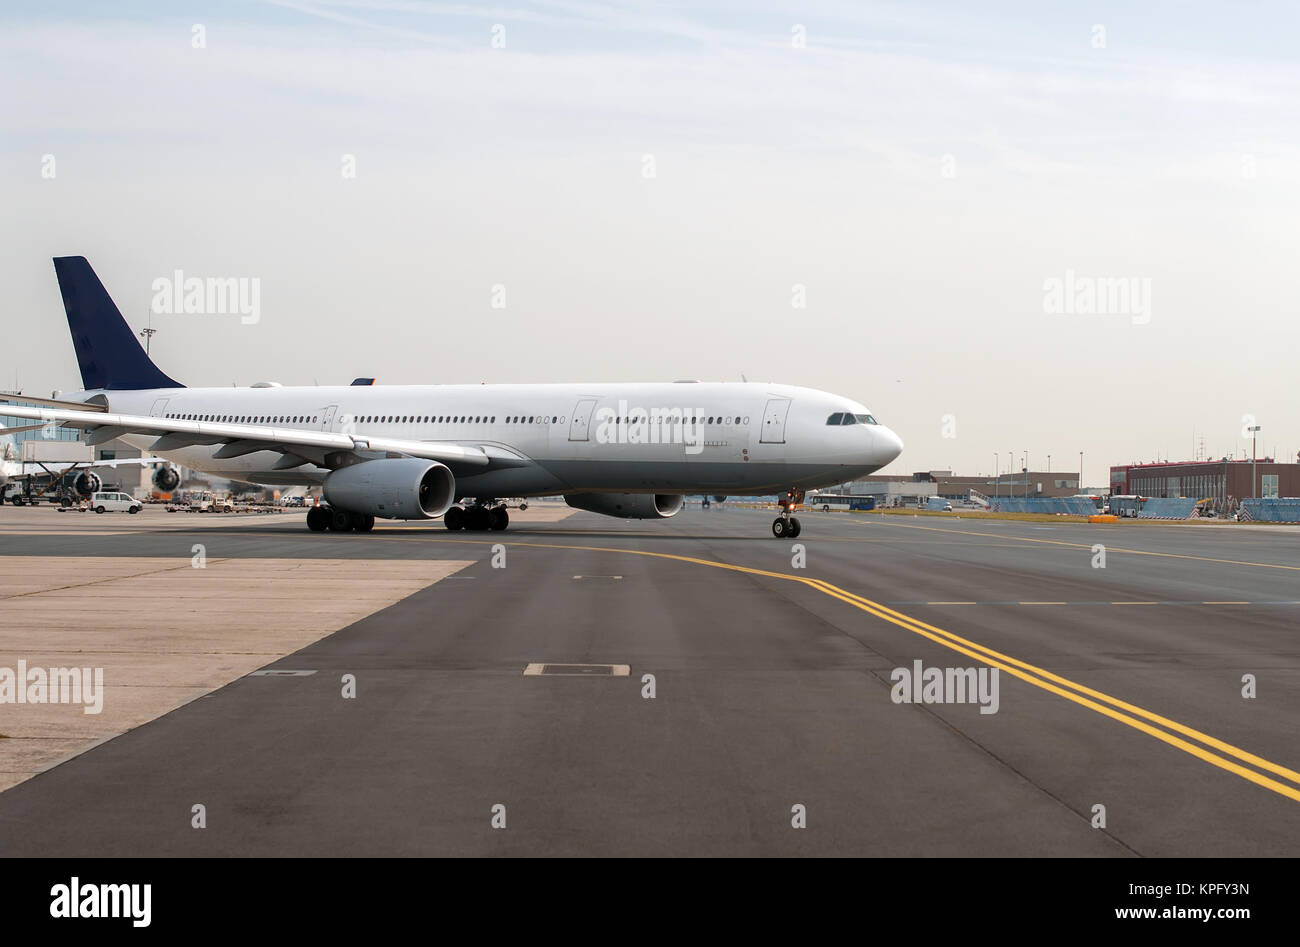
pixel 891 443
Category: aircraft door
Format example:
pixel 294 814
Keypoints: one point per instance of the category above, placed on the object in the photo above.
pixel 579 426
pixel 773 428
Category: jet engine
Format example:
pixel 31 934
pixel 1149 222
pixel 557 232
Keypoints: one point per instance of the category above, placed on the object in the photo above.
pixel 87 483
pixel 633 506
pixel 166 479
pixel 402 488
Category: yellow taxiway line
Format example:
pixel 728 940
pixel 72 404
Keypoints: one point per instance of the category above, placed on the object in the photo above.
pixel 1122 711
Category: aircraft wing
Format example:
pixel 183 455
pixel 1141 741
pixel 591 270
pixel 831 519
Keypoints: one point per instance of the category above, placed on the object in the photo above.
pixel 19 430
pixel 51 403
pixel 323 448
pixel 90 464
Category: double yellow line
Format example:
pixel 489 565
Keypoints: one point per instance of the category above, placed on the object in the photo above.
pixel 1120 710
pixel 1218 752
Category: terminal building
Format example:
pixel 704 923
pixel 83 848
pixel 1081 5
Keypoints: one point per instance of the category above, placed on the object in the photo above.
pixel 1224 481
pixel 57 447
pixel 895 490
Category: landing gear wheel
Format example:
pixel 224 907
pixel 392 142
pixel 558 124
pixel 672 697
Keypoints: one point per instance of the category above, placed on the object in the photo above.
pixel 454 519
pixel 499 519
pixel 363 522
pixel 779 527
pixel 477 518
pixel 318 519
pixel 792 528
pixel 340 520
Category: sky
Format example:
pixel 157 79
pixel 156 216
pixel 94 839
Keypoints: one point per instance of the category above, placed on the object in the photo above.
pixel 1007 228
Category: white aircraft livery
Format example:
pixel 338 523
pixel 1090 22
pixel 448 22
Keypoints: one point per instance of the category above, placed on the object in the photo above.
pixel 420 452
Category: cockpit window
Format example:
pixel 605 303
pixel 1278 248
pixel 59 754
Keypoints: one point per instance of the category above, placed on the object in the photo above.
pixel 843 417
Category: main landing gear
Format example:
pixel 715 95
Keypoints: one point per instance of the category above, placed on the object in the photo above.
pixel 481 515
pixel 321 518
pixel 786 526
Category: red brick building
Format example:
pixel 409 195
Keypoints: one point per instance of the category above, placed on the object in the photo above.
pixel 1224 481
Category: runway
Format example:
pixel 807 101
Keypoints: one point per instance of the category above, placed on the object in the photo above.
pixel 772 664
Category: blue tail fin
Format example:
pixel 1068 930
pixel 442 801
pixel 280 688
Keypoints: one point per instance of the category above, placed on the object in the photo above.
pixel 107 351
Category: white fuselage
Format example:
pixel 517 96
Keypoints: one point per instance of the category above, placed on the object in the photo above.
pixel 730 438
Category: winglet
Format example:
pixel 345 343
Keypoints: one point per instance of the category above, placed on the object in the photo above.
pixel 108 353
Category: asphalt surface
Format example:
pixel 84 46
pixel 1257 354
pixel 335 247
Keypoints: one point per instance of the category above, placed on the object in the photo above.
pixel 770 692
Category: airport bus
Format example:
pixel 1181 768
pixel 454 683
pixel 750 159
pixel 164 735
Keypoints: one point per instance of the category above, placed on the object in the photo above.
pixel 1125 505
pixel 826 502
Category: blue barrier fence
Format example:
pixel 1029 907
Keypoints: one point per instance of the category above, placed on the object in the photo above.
pixel 1279 510
pixel 1167 508
pixel 1074 506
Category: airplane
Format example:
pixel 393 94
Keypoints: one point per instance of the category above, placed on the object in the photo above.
pixel 422 452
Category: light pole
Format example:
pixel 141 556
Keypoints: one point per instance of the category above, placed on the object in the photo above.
pixel 148 333
pixel 996 473
pixel 1254 433
pixel 1049 463
pixel 1080 471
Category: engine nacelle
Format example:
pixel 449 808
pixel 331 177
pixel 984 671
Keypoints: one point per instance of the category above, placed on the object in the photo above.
pixel 402 488
pixel 87 483
pixel 632 506
pixel 166 479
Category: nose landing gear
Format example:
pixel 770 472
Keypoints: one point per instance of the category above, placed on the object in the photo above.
pixel 786 526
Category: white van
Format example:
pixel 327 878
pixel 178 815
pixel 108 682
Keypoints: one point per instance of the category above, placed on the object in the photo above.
pixel 115 503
